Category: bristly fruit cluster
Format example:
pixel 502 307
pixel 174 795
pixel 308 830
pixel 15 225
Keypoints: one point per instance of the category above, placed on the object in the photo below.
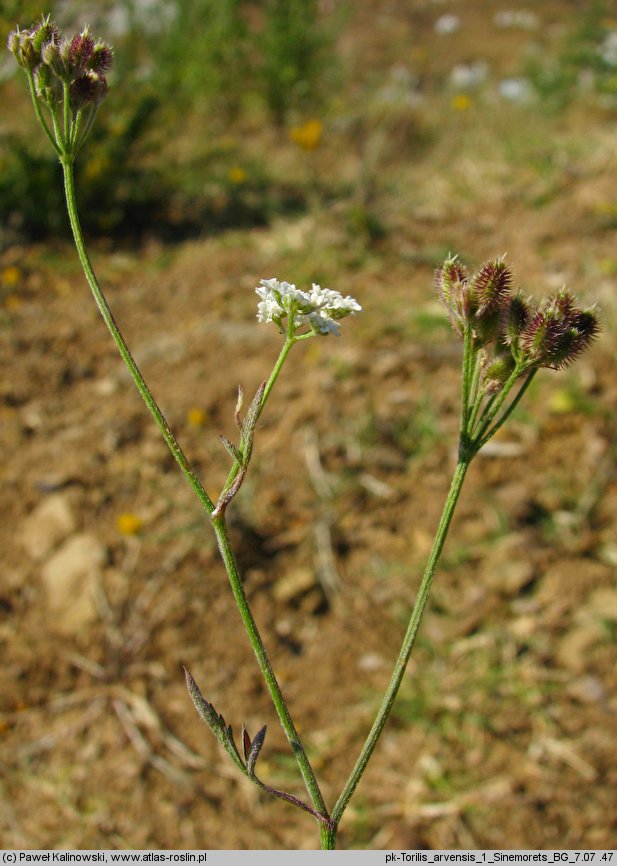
pixel 521 334
pixel 67 81
pixel 79 63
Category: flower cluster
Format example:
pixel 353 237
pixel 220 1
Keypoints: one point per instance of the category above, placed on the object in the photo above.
pixel 79 63
pixel 521 334
pixel 320 308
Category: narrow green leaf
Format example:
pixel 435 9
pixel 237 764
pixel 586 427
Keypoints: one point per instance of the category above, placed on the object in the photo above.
pixel 205 709
pixel 255 749
pixel 233 450
pixel 222 731
pixel 252 415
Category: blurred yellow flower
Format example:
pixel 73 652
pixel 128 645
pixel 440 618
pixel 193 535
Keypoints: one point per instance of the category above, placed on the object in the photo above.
pixel 307 135
pixel 562 401
pixel 62 287
pixel 460 102
pixel 607 266
pixel 605 208
pixel 11 303
pixel 237 175
pixel 128 523
pixel 95 167
pixel 11 276
pixel 196 417
pixel 117 129
pixel 228 143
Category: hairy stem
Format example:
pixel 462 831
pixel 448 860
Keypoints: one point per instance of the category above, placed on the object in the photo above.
pixel 39 113
pixel 508 411
pixel 468 359
pixel 278 366
pixel 222 537
pixel 99 297
pixel 403 657
pixel 483 431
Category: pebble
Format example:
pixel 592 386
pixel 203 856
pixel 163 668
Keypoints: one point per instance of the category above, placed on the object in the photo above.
pixel 506 569
pixel 512 577
pixel 47 526
pixel 573 648
pixel 603 603
pixel 370 662
pixel 587 689
pixel 294 584
pixel 71 577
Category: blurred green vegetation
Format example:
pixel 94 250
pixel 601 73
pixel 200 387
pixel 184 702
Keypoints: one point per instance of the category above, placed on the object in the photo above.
pixel 220 114
pixel 160 158
pixel 296 57
pixel 585 62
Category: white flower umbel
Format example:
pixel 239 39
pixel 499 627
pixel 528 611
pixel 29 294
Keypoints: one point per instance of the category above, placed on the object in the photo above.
pixel 319 308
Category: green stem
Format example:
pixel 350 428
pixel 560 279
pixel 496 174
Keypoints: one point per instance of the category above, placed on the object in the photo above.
pixel 99 297
pixel 507 411
pixel 476 395
pixel 80 137
pixel 66 114
pixel 278 366
pixel 75 127
pixel 483 433
pixel 276 370
pixel 468 356
pixel 245 445
pixel 290 339
pixel 39 113
pixel 222 537
pixel 403 657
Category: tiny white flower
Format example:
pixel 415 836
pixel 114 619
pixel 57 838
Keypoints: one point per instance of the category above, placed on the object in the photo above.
pixel 521 18
pixel 269 309
pixel 608 49
pixel 271 284
pixel 324 325
pixel 289 293
pixel 465 75
pixel 447 24
pixel 333 303
pixel 516 89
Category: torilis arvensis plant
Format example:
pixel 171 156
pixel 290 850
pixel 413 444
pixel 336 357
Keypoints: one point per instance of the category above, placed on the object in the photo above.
pixel 506 340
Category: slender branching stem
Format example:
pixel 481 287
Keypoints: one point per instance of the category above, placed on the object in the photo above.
pixel 99 297
pixel 66 114
pixel 403 656
pixel 483 430
pixel 289 342
pixel 39 114
pixel 477 392
pixel 290 339
pixel 468 359
pixel 237 588
pixel 508 411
